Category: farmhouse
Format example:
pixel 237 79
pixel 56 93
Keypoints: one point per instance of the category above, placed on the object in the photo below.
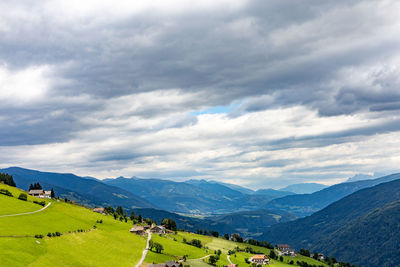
pixel 286 250
pixel 37 193
pixel 231 265
pixel 260 259
pixel 139 230
pixel 40 193
pixel 158 229
pixel 321 256
pixel 99 210
pixel 283 247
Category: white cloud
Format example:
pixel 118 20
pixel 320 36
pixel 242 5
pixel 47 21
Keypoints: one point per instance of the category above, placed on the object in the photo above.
pixel 21 86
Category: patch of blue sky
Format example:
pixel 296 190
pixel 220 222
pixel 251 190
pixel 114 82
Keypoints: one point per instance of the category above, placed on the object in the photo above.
pixel 217 110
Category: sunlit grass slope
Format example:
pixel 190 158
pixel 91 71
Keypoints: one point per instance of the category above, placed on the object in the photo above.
pixel 102 244
pixel 174 250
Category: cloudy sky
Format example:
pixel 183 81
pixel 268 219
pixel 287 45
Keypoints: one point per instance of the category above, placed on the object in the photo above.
pixel 258 93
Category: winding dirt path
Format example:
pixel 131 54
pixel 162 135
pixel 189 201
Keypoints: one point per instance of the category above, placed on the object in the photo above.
pixel 145 250
pixel 26 213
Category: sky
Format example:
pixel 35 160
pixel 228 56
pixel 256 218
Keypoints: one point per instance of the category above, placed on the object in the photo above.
pixel 257 93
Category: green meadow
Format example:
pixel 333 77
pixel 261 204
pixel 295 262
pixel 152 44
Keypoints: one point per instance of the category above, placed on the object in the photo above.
pixel 174 250
pixel 100 244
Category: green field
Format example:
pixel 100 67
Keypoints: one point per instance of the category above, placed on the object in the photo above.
pixel 174 250
pixel 102 244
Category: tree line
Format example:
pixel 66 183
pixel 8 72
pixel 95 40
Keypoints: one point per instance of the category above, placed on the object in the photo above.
pixel 7 179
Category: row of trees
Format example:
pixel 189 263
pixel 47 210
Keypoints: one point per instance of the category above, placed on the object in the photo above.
pixel 35 186
pixel 7 179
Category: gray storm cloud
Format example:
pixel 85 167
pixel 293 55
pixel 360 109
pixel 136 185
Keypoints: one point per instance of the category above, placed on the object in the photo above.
pixel 127 83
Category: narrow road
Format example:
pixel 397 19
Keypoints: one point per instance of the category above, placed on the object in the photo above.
pixel 26 213
pixel 228 257
pixel 198 258
pixel 145 250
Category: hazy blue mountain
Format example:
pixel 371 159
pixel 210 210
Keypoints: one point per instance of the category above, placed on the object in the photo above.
pixel 252 223
pixel 304 188
pixel 185 222
pixel 239 188
pixel 273 193
pixel 83 190
pixel 361 228
pixel 360 177
pixel 306 204
pixel 193 196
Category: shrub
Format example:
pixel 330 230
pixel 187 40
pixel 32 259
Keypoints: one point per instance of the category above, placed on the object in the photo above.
pixel 38 236
pixel 23 197
pixel 41 203
pixel 6 192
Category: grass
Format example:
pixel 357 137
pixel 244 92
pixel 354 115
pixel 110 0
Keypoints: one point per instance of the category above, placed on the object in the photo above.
pixel 173 250
pixel 110 243
pixel 9 205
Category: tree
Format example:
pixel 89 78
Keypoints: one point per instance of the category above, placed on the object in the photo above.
pixel 305 252
pixel 272 254
pixel 281 258
pixel 226 236
pixel 52 194
pixel 120 210
pixel 169 224
pixel 132 216
pixel 213 259
pixel 315 255
pixel 7 179
pixel 23 197
pixel 214 233
pixel 140 219
pixel 158 247
pixel 35 186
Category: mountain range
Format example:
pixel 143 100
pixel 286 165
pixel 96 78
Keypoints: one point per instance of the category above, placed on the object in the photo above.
pixel 195 196
pixel 264 214
pixel 306 204
pixel 361 228
pixel 304 188
pixel 81 190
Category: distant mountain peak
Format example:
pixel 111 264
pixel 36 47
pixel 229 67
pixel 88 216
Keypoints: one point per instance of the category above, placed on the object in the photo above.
pixel 304 188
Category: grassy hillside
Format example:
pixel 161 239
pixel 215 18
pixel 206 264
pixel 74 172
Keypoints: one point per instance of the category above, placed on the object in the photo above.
pixel 100 244
pixel 175 249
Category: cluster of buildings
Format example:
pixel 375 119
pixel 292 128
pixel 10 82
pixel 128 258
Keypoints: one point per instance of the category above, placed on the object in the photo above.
pixel 40 193
pixel 167 264
pixel 285 250
pixel 155 229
